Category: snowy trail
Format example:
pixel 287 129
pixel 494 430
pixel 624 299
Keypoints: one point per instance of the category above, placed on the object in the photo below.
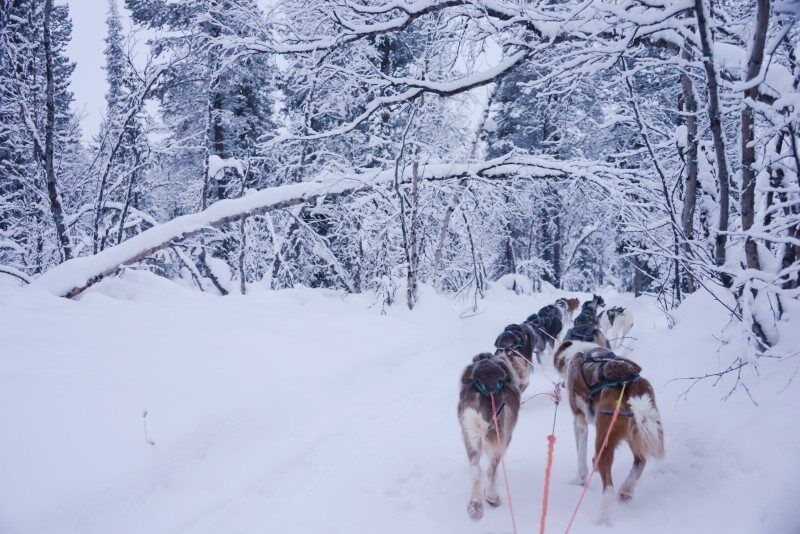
pixel 300 411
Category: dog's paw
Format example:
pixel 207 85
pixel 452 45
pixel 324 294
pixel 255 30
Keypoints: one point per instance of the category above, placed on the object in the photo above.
pixel 603 521
pixel 475 509
pixel 624 497
pixel 493 498
pixel 578 481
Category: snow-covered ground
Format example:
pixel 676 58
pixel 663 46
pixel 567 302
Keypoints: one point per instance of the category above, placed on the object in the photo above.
pixel 305 411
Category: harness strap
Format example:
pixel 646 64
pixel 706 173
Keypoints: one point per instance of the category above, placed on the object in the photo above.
pixel 497 414
pixel 611 384
pixel 620 414
pixel 594 390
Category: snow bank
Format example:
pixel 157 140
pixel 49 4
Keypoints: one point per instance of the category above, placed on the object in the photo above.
pixel 304 411
pixel 522 285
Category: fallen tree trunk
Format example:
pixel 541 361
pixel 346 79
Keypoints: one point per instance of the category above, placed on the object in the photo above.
pixel 72 277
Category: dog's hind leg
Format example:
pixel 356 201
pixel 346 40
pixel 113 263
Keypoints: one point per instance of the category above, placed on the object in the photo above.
pixel 604 464
pixel 581 428
pixel 492 497
pixel 475 504
pixel 629 486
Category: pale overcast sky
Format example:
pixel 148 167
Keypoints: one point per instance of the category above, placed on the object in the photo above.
pixel 86 47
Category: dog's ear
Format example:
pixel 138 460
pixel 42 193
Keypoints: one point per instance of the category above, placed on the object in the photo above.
pixel 466 376
pixel 481 356
pixel 500 340
pixel 533 319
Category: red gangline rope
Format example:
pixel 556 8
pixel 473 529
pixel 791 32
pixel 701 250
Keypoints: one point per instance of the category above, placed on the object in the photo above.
pixel 503 462
pixel 597 458
pixel 551 442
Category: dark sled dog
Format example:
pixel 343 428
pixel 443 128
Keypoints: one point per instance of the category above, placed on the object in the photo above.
pixel 548 323
pixel 588 314
pixel 516 346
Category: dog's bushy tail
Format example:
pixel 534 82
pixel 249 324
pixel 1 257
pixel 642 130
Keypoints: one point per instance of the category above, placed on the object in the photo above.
pixel 647 436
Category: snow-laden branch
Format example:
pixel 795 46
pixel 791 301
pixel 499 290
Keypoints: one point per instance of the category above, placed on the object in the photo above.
pixel 74 276
pixel 357 22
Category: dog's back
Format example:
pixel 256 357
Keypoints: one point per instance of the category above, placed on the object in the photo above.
pixel 587 333
pixel 485 378
pixel 515 346
pixel 551 319
pixel 588 314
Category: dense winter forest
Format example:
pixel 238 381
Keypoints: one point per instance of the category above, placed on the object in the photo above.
pixel 649 145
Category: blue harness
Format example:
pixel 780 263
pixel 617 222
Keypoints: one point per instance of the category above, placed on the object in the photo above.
pixel 483 390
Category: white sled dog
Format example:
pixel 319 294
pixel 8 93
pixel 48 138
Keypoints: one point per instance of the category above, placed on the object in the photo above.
pixel 615 323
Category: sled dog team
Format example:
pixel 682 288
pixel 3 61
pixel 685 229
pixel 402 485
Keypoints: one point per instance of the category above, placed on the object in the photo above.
pixel 593 376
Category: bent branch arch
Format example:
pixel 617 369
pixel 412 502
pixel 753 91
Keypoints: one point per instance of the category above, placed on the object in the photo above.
pixel 72 277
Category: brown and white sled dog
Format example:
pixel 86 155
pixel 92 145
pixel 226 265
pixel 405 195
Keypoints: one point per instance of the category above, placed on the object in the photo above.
pixel 487 376
pixel 615 323
pixel 594 377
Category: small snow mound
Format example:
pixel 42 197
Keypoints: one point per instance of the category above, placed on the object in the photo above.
pixel 521 285
pixel 682 136
pixel 135 285
pixel 547 287
pixel 216 164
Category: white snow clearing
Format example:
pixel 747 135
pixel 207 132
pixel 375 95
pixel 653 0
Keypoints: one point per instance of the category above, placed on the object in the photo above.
pixel 304 411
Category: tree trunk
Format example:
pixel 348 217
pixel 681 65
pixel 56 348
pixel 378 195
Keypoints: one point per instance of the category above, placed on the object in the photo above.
pixel 638 276
pixel 49 135
pixel 689 110
pixel 448 215
pixel 412 292
pixel 715 120
pixel 556 260
pixel 792 251
pixel 129 193
pixel 242 249
pixel 748 133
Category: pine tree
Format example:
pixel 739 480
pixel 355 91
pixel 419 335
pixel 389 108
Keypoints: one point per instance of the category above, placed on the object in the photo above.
pixel 40 136
pixel 122 142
